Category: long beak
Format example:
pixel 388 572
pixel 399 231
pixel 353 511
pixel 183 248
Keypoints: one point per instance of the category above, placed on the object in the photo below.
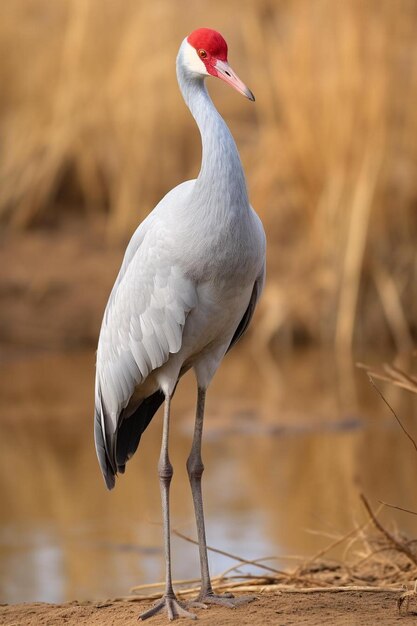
pixel 225 72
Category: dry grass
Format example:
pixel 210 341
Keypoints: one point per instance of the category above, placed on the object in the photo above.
pixel 394 374
pixel 91 122
pixel 374 559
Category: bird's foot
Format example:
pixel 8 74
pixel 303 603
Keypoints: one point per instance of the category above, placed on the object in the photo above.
pixel 172 606
pixel 228 600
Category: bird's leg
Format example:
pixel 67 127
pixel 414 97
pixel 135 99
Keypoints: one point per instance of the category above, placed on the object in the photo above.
pixel 169 601
pixel 195 470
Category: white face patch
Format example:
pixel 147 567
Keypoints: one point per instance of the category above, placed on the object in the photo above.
pixel 191 60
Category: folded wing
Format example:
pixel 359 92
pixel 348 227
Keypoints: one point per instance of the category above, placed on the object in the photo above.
pixel 142 326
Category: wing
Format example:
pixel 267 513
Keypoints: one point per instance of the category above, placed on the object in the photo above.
pixel 244 322
pixel 142 326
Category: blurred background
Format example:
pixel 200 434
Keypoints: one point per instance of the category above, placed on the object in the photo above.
pixel 93 132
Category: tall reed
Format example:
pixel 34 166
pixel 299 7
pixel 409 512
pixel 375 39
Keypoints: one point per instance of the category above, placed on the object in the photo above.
pixel 91 122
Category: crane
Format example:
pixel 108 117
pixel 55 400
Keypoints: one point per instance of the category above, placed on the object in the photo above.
pixel 189 283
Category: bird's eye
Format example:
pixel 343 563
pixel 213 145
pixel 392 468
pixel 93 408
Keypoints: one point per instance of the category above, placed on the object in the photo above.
pixel 202 54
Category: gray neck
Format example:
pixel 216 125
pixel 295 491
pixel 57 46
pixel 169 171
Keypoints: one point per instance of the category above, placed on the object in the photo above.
pixel 221 176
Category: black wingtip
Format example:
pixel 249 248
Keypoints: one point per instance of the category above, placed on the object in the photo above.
pixel 110 480
pixel 103 459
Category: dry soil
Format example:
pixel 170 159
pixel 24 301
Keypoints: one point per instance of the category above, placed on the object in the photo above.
pixel 343 608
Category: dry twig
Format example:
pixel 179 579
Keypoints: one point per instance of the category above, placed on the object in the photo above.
pixel 234 556
pixel 413 441
pixel 395 543
pixel 392 374
pixel 406 597
pixel 399 508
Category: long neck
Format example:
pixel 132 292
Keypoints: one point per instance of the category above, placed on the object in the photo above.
pixel 221 176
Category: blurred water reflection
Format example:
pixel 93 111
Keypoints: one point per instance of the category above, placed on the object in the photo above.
pixel 282 459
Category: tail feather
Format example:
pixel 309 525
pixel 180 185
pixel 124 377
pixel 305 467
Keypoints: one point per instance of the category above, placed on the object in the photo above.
pixel 130 430
pixel 103 458
pixel 115 449
pixel 114 453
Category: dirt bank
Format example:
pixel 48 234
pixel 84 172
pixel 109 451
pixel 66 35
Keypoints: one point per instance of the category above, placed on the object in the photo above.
pixel 350 607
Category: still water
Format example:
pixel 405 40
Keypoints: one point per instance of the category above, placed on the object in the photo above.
pixel 286 450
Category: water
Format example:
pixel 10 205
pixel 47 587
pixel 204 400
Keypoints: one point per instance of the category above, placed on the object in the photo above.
pixel 286 451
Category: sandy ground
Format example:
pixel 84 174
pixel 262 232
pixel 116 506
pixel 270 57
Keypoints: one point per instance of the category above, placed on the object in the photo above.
pixel 280 609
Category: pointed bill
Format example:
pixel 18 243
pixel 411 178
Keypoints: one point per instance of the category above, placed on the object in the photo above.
pixel 225 72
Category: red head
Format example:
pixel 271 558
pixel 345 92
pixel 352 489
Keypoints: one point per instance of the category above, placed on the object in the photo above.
pixel 210 49
pixel 209 44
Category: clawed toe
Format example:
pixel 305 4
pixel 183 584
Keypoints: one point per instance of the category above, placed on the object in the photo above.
pixel 172 606
pixel 227 599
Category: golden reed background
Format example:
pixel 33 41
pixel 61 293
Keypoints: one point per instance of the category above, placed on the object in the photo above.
pixel 92 124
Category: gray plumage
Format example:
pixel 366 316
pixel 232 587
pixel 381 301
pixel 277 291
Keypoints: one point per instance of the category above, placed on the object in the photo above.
pixel 188 286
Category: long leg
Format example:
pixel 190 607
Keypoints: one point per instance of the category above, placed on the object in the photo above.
pixel 195 469
pixel 165 471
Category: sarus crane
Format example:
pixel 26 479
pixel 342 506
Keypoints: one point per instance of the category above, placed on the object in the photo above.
pixel 189 283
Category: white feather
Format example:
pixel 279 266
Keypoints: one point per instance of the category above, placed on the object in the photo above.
pixel 191 60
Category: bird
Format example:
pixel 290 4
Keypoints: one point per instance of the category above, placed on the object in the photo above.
pixel 186 291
